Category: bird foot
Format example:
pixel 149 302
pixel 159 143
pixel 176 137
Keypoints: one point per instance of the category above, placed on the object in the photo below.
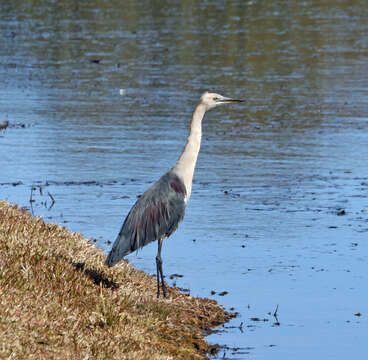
pixel 163 290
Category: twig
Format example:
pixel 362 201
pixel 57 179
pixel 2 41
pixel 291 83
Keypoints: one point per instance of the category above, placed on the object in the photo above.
pixel 241 327
pixel 52 200
pixel 31 201
pixel 30 198
pixel 277 322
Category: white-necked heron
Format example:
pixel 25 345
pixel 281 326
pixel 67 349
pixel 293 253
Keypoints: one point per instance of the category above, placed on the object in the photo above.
pixel 158 212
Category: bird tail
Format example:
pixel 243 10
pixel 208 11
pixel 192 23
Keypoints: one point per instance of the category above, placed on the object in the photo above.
pixel 120 249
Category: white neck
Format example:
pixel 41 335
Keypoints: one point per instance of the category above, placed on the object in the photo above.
pixel 184 167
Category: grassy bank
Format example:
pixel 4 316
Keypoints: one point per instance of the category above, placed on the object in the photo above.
pixel 58 301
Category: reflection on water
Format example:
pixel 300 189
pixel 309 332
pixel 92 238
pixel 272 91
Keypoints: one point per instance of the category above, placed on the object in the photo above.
pixel 278 214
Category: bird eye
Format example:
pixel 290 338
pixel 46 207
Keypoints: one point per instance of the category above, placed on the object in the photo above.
pixel 215 98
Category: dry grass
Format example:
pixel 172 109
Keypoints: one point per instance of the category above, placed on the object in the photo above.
pixel 58 301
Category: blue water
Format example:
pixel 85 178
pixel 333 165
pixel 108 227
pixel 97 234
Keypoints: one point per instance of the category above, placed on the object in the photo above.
pixel 279 209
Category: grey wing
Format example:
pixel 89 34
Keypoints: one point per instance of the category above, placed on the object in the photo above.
pixel 157 213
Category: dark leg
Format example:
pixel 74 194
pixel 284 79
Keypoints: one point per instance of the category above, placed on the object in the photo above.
pixel 159 270
pixel 158 275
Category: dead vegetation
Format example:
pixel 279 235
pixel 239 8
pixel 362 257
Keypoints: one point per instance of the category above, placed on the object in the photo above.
pixel 58 301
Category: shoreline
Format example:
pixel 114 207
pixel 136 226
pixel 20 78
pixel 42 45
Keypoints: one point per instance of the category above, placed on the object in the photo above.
pixel 59 301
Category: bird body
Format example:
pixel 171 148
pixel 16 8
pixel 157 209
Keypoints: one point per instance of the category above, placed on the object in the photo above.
pixel 158 212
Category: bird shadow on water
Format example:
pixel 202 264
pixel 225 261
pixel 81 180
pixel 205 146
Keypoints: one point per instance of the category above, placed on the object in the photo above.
pixel 96 277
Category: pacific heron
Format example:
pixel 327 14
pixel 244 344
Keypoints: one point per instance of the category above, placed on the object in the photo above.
pixel 158 212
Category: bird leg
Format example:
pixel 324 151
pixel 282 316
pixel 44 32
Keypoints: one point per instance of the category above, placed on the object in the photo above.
pixel 159 270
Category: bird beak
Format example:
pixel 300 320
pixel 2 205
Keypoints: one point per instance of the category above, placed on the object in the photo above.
pixel 230 101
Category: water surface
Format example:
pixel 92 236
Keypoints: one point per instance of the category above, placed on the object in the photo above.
pixel 279 209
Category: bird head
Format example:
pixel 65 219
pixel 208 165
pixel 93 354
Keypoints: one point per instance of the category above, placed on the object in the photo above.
pixel 211 100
